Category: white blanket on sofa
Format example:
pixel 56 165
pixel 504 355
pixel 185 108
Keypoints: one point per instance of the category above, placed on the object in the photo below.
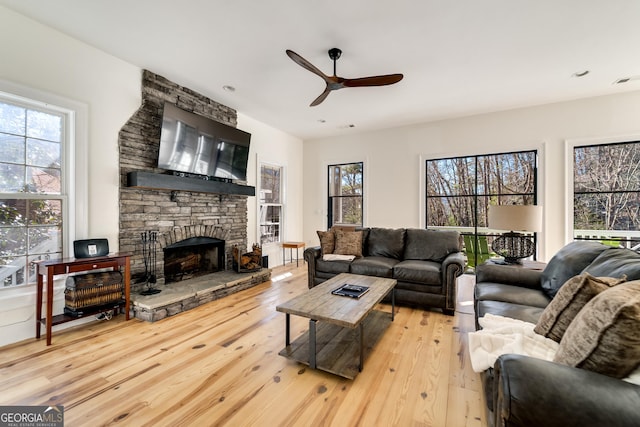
pixel 501 335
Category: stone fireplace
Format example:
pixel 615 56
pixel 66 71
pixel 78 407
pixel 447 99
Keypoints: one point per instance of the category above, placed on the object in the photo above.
pixel 212 223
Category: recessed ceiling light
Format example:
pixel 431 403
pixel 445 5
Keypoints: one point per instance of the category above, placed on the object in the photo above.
pixel 580 73
pixel 229 88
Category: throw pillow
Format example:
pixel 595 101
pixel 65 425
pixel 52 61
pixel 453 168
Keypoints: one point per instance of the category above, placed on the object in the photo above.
pixel 568 262
pixel 605 336
pixel 327 241
pixel 569 300
pixel 348 243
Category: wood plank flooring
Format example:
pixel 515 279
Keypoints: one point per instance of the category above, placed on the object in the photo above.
pixel 218 365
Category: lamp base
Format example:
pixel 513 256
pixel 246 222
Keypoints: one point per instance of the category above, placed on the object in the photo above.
pixel 513 247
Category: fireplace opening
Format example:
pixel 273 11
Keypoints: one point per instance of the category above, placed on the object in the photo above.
pixel 192 257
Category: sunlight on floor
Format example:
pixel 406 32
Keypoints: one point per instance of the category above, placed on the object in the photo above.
pixel 281 277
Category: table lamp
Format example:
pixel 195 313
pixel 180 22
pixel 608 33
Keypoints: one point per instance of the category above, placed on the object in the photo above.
pixel 514 246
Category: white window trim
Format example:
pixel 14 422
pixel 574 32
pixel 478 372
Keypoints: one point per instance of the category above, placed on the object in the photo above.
pixel 75 155
pixel 283 193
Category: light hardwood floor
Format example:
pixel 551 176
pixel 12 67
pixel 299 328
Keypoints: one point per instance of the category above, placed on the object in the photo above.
pixel 218 364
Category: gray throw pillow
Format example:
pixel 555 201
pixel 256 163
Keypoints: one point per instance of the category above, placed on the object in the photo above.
pixel 605 335
pixel 570 299
pixel 569 262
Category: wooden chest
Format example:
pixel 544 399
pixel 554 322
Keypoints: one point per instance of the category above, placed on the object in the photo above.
pixel 92 290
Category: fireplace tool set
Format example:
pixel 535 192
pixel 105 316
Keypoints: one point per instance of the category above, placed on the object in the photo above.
pixel 149 243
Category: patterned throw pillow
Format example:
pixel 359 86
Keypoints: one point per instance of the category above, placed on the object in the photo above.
pixel 572 296
pixel 605 336
pixel 327 241
pixel 348 243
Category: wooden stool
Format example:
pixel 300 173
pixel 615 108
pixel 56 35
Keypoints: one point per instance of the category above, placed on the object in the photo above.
pixel 291 246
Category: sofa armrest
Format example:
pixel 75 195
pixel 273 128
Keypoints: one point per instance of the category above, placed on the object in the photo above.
pixel 534 392
pixel 452 267
pixel 311 255
pixel 509 275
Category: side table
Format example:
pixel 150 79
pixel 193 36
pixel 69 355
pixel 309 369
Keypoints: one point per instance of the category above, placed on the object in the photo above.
pixel 52 268
pixel 291 246
pixel 526 263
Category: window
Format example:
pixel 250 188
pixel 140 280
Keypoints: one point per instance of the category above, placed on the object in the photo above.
pixel 606 193
pixel 345 194
pixel 460 190
pixel 32 201
pixel 271 203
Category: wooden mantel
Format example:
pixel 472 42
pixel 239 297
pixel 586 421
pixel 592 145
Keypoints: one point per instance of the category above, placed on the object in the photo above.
pixel 157 181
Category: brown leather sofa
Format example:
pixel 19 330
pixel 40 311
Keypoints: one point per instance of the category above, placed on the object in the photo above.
pixel 524 391
pixel 426 264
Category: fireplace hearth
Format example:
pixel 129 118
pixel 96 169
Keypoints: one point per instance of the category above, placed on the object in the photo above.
pixel 192 257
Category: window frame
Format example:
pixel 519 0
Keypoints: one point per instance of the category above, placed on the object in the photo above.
pixel 330 222
pixel 476 230
pixel 74 155
pixel 570 146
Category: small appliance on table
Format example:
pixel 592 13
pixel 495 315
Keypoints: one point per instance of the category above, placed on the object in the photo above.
pixel 330 346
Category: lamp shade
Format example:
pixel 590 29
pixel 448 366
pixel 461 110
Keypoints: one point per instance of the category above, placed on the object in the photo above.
pixel 515 217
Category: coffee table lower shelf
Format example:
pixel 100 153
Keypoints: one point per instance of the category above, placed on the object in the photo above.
pixel 338 348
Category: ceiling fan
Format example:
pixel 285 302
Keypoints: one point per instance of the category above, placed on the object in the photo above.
pixel 334 82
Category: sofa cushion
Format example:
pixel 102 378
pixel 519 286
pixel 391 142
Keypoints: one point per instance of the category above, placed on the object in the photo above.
pixel 332 266
pixel 569 300
pixel 605 335
pixel 427 272
pixel 348 243
pixel 522 312
pixel 569 262
pixel 432 245
pixel 489 291
pixel 373 266
pixel 386 242
pixel 616 262
pixel 327 241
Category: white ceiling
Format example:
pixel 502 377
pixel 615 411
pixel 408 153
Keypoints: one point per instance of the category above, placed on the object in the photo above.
pixel 458 58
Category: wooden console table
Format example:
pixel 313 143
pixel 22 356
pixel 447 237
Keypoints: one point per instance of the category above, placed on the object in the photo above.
pixel 56 267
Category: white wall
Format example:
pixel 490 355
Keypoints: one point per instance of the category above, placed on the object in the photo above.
pixel 270 145
pixel 394 158
pixel 38 57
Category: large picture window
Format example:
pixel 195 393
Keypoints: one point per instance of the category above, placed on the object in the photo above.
pixel 606 193
pixel 32 200
pixel 271 203
pixel 345 194
pixel 459 191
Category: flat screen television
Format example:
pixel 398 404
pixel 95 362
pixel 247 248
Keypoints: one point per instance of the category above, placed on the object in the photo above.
pixel 194 144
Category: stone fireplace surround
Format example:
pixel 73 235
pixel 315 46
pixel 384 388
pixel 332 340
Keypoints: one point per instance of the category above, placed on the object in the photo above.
pixel 175 215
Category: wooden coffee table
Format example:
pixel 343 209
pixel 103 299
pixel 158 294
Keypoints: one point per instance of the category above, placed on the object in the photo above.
pixel 330 346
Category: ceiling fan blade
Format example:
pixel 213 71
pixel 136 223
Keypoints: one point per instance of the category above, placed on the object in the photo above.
pixel 306 64
pixel 321 98
pixel 388 79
